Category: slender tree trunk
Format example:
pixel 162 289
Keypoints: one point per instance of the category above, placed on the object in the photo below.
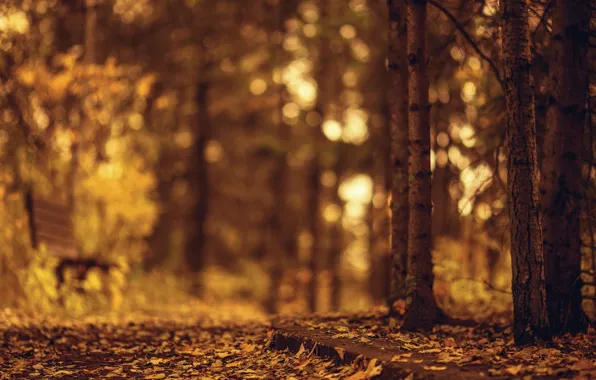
pixel 421 308
pixel 315 230
pixel 281 241
pixel 398 109
pixel 315 170
pixel 336 240
pixel 89 57
pixel 196 237
pixel 529 294
pixel 562 165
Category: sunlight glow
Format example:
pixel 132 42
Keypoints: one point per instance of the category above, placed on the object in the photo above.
pixel 332 130
pixel 475 180
pixel 356 131
pixel 347 31
pixel 468 92
pixel 332 213
pixel 213 151
pixel 356 189
pixel 258 86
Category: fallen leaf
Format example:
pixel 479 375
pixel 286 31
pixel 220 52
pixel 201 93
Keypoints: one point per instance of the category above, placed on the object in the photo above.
pixel 450 342
pixel 582 365
pixel 434 368
pixel 360 375
pixel 373 369
pixel 514 370
pixel 340 352
pixel 248 347
pixel 300 351
pixel 156 376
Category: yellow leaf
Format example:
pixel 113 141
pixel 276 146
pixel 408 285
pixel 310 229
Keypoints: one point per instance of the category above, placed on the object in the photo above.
pixel 156 376
pixel 300 351
pixel 145 84
pixel 434 368
pixel 514 370
pixel 248 347
pixel 26 75
pixel 373 369
pixel 340 352
pixel 360 375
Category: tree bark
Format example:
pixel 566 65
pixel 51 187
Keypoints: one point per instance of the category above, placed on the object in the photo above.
pixel 562 165
pixel 398 109
pixel 528 283
pixel 421 308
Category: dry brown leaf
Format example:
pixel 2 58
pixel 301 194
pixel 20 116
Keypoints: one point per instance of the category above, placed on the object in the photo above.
pixel 583 365
pixel 450 342
pixel 360 375
pixel 340 352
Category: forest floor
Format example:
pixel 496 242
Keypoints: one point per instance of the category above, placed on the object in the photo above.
pixel 237 342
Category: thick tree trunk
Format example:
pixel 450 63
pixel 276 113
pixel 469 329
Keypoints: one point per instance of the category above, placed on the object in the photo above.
pixel 196 237
pixel 398 109
pixel 529 294
pixel 421 308
pixel 562 165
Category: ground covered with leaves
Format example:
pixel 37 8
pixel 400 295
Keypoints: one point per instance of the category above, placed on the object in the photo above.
pixel 195 341
pixel 235 341
pixel 449 351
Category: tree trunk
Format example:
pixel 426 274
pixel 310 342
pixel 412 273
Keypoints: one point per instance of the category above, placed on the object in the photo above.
pixel 195 255
pixel 562 165
pixel 315 229
pixel 89 57
pixel 421 308
pixel 528 284
pixel 336 238
pixel 398 109
pixel 281 240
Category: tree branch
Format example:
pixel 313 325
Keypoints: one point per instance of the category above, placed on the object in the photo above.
pixel 470 40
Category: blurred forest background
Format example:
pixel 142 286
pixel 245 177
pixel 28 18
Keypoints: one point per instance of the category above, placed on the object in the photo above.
pixel 239 150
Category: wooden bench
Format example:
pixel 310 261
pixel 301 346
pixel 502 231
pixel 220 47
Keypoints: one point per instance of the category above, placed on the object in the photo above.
pixel 50 223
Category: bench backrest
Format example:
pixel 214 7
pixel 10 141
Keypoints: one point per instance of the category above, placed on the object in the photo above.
pixel 50 223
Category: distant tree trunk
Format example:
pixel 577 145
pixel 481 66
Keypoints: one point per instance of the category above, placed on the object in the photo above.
pixel 281 240
pixel 315 230
pixel 421 307
pixel 89 57
pixel 315 170
pixel 398 108
pixel 562 165
pixel 336 239
pixel 196 237
pixel 529 294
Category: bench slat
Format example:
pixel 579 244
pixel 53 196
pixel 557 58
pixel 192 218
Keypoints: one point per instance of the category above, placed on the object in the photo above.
pixel 54 229
pixel 65 241
pixel 50 206
pixel 51 217
pixel 51 224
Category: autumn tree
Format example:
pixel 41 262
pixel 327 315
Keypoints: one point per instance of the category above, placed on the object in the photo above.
pixel 398 109
pixel 528 284
pixel 562 165
pixel 421 308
